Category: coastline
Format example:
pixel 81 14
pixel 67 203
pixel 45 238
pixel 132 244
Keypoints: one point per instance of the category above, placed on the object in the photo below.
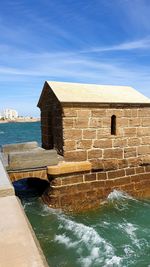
pixel 20 120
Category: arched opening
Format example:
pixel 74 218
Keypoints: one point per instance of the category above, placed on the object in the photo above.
pixel 30 187
pixel 113 125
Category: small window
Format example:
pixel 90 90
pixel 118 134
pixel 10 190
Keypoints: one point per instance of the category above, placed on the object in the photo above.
pixel 113 125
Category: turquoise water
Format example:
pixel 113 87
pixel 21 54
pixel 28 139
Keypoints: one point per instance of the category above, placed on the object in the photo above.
pixel 115 235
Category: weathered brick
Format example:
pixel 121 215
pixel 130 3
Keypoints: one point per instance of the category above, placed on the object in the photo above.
pixel 73 134
pixel 122 181
pixel 95 122
pixel 127 112
pixel 130 171
pixel 98 113
pixel 110 164
pixel 101 175
pixel 116 153
pixel 134 141
pixel 69 112
pixel 89 134
pixel 133 122
pixel 139 170
pixel 97 164
pixel 122 163
pixel 102 143
pixel 79 155
pixel 72 180
pixel 68 122
pixel 145 140
pixel 120 142
pixel 143 150
pixel 94 153
pixel 117 112
pixel 69 145
pixel 81 122
pixel 144 112
pixel 130 132
pixel 103 133
pixel 84 113
pixel 90 177
pixel 133 162
pixel 115 174
pixel 146 122
pixel 130 152
pixel 84 144
pixel 122 122
pixel 143 131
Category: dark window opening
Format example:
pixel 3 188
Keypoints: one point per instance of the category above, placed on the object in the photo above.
pixel 113 125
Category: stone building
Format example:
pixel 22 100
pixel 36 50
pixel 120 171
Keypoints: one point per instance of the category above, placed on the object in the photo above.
pixel 107 127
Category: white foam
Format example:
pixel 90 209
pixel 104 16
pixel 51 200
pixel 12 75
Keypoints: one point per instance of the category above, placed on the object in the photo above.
pixel 98 250
pixel 118 195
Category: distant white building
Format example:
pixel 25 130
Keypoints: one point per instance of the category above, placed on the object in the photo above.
pixel 10 114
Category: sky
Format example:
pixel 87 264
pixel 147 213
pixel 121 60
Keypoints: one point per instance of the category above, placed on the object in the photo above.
pixel 85 41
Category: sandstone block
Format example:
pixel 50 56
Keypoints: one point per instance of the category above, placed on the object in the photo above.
pixel 98 112
pixel 130 152
pixel 134 141
pixel 89 134
pixel 68 122
pixel 84 113
pixel 72 134
pixel 146 122
pixel 95 122
pixel 69 112
pixel 134 122
pixel 143 131
pixel 111 164
pixel 116 153
pixel 94 153
pixel 143 150
pixel 101 175
pixel 84 144
pixel 90 177
pixel 69 145
pixel 79 155
pixel 115 174
pixel 103 133
pixel 81 122
pixel 130 132
pixel 120 142
pixel 72 180
pixel 69 167
pixel 103 143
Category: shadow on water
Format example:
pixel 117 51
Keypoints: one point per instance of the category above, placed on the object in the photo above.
pixel 30 187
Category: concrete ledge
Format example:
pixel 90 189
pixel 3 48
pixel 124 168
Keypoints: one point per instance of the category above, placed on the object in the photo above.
pixel 18 244
pixel 19 147
pixel 69 167
pixel 6 188
pixel 31 159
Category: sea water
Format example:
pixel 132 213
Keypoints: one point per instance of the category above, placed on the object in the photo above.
pixel 116 234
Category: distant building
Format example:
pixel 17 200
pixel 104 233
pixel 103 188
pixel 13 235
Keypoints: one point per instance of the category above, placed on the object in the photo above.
pixel 10 114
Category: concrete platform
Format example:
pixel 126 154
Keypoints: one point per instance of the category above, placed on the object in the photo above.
pixel 18 244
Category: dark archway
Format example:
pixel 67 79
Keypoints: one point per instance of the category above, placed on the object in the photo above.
pixel 30 187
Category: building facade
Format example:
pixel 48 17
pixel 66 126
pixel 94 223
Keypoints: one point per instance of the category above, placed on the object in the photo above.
pixel 10 114
pixel 107 126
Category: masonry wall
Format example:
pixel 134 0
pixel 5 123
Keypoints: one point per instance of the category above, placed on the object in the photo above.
pixel 87 136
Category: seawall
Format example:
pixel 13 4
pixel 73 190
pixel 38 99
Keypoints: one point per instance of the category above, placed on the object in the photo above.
pixel 19 246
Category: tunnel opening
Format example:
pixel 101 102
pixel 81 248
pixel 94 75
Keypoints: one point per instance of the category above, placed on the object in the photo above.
pixel 30 187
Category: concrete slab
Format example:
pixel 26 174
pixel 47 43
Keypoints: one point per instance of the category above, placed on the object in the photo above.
pixel 32 159
pixel 19 147
pixel 18 244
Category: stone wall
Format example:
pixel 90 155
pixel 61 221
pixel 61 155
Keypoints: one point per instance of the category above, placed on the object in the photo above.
pixel 87 136
pixel 86 189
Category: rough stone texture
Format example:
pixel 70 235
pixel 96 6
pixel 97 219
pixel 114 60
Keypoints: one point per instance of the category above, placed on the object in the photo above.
pixel 18 175
pixel 83 191
pixel 18 244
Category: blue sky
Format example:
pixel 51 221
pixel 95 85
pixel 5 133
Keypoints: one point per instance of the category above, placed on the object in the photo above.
pixel 89 41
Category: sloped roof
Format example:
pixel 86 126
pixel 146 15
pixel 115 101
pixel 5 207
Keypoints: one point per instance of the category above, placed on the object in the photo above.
pixel 92 93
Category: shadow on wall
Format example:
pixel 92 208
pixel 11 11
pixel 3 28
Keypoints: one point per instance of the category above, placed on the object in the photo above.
pixel 30 187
